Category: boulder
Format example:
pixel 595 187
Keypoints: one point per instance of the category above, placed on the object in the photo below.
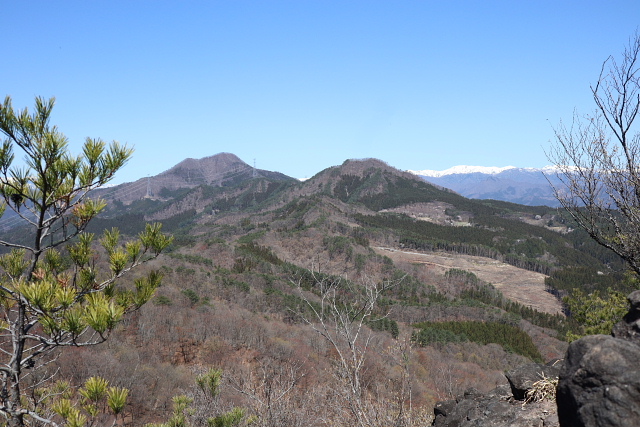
pixel 629 328
pixel 522 378
pixel 599 384
pixel 498 408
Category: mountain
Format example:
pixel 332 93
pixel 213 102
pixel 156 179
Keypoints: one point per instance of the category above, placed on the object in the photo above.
pixel 220 170
pixel 526 186
pixel 254 252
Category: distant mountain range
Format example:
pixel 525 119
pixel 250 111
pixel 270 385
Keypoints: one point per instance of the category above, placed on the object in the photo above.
pixel 525 186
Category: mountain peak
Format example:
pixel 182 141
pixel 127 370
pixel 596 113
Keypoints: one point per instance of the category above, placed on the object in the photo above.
pixel 462 169
pixel 208 168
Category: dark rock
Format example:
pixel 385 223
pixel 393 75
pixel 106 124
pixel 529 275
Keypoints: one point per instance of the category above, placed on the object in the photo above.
pixel 629 328
pixel 600 383
pixel 444 408
pixel 523 377
pixel 497 408
pixel 558 363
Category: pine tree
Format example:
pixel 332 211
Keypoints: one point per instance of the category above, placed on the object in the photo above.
pixel 52 294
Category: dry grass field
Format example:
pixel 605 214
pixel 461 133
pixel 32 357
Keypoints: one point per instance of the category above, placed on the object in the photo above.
pixel 523 286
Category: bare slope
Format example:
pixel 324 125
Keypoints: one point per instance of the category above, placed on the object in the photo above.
pixel 523 286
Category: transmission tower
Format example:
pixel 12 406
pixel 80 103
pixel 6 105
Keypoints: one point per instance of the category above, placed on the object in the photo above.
pixel 148 195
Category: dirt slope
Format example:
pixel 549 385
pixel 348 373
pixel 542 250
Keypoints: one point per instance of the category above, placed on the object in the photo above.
pixel 523 286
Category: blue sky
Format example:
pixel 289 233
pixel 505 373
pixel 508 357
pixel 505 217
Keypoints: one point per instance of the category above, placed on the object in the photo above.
pixel 303 85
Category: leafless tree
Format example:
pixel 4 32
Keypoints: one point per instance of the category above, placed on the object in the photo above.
pixel 341 311
pixel 597 159
pixel 273 392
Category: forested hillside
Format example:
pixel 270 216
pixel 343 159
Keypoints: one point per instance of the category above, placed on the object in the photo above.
pixel 260 265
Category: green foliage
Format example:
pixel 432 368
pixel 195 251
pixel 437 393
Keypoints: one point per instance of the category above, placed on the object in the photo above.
pixel 50 300
pixel 129 224
pixel 251 237
pixel 294 307
pixel 229 419
pixel 209 382
pixel 347 187
pixel 259 252
pixel 95 388
pixel 240 193
pixel 385 324
pixel 244 264
pixel 295 210
pixel 360 261
pixel 94 402
pixel 230 282
pixel 595 313
pixel 408 291
pixel 205 398
pixel 184 271
pixel 178 223
pixel 191 295
pixel 162 300
pixel 338 245
pixel 401 191
pixel 588 279
pixel 509 337
pixel 474 289
pixel 514 242
pixel 116 399
pixel 360 237
pixel 434 335
pixel 178 418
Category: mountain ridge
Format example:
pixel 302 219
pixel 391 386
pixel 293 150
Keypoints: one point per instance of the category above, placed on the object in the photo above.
pixel 249 245
pixel 222 169
pixel 525 186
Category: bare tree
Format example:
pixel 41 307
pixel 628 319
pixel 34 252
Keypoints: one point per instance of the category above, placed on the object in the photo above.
pixel 270 392
pixel 597 159
pixel 340 315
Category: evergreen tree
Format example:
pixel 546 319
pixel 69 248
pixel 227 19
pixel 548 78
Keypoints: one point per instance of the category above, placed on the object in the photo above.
pixel 52 294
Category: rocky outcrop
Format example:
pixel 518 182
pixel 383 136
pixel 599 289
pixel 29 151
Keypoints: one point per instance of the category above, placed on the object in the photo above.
pixel 600 382
pixel 629 328
pixel 523 378
pixel 505 406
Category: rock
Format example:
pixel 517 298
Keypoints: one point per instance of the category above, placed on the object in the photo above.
pixel 599 384
pixel 629 328
pixel 498 408
pixel 523 377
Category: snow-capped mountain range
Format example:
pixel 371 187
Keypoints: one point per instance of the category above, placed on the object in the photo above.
pixel 488 170
pixel 526 186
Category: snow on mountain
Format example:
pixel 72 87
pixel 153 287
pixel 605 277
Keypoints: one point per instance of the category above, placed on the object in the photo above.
pixel 462 170
pixel 487 170
pixel 527 186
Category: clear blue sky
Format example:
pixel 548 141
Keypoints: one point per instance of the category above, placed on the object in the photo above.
pixel 303 85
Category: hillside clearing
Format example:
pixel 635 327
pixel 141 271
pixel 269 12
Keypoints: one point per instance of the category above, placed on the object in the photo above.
pixel 523 286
